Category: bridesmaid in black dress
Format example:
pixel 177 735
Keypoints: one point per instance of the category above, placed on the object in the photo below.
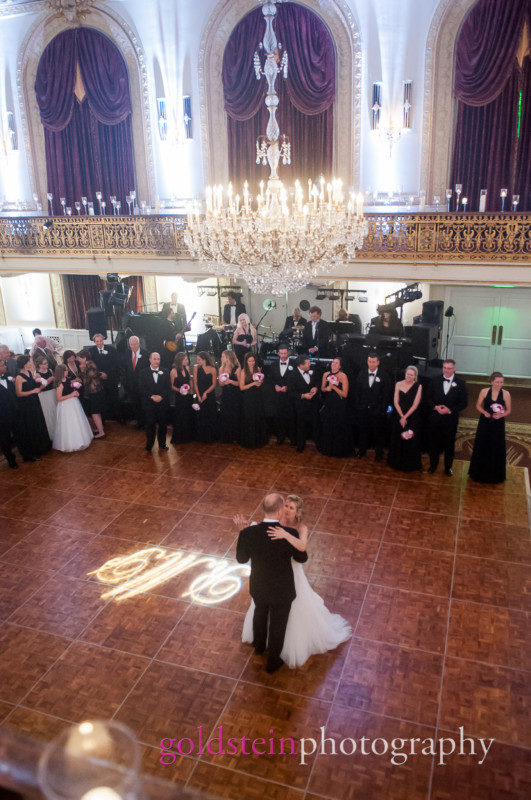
pixel 254 429
pixel 405 450
pixel 244 338
pixel 334 438
pixel 182 384
pixel 487 464
pixel 207 424
pixel 231 401
pixel 31 431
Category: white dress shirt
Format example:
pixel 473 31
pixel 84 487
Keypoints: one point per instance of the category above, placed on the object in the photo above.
pixel 305 375
pixel 372 376
pixel 447 384
pixel 283 367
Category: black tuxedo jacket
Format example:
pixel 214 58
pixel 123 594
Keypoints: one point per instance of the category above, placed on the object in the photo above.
pixel 130 377
pixel 148 387
pixel 290 323
pixel 240 309
pixel 106 363
pixel 375 399
pixel 271 580
pixel 8 404
pixel 274 377
pixel 456 399
pixel 322 336
pixel 297 386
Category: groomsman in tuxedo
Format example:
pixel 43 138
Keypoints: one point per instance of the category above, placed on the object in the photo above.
pixel 134 361
pixel 106 359
pixel 155 389
pixel 271 584
pixel 316 334
pixel 446 396
pixel 278 376
pixel 303 388
pixel 40 349
pixel 372 397
pixel 8 414
pixel 232 309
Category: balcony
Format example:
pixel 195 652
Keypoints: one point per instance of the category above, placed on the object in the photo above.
pixel 466 238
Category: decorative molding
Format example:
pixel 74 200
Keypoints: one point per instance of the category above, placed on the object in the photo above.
pixel 149 286
pixel 493 238
pixel 58 299
pixel 344 28
pixel 438 105
pixel 73 11
pixel 126 39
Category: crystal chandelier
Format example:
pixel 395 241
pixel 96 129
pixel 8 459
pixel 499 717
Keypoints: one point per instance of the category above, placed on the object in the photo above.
pixel 281 239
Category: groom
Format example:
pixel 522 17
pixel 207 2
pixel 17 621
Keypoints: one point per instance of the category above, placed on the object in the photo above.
pixel 271 584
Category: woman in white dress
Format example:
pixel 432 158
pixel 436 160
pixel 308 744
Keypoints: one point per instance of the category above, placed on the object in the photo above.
pixel 311 628
pixel 72 430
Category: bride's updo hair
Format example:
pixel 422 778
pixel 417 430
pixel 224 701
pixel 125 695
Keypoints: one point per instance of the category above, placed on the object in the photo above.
pixel 294 498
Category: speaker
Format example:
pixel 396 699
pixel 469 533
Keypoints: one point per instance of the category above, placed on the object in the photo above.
pixel 424 341
pixel 432 312
pixel 96 322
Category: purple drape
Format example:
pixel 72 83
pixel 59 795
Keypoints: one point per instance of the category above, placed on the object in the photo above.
pixel 522 185
pixel 89 144
pixel 306 98
pixel 486 84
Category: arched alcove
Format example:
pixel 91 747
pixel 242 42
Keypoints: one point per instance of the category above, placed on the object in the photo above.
pixel 343 26
pixel 39 36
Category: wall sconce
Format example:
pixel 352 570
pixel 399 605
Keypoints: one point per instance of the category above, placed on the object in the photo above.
pixel 162 118
pixel 388 125
pixel 187 116
pixel 376 106
pixel 407 107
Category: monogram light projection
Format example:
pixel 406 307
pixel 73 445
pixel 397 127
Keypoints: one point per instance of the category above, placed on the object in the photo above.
pixel 144 570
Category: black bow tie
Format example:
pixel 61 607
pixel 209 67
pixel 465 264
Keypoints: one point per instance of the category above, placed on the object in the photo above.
pixel 284 363
pixel 448 379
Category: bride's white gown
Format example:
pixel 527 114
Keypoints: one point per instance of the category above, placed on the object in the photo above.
pixel 311 628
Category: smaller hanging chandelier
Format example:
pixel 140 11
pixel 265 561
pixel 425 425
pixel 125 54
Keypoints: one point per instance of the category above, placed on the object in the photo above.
pixel 281 239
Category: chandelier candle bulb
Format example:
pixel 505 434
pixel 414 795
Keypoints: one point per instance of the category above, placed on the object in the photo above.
pixel 359 204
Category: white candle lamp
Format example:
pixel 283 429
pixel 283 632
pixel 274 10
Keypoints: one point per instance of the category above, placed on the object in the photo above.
pixel 436 200
pixel 98 198
pixel 448 198
pixel 458 190
pixel 464 201
pixel 62 200
pixel 78 207
pixel 482 201
pixel 503 195
pixel 49 197
pixel 516 200
pixel 84 200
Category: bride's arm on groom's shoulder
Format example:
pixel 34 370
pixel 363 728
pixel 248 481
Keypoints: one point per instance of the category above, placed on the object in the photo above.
pixel 298 542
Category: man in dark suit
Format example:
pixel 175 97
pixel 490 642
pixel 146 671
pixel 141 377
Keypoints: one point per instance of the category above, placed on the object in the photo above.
pixel 155 390
pixel 106 359
pixel 271 583
pixel 277 378
pixel 179 311
pixel 303 388
pixel 8 414
pixel 446 396
pixel 232 309
pixel 134 361
pixel 41 350
pixel 316 334
pixel 372 397
pixel 295 321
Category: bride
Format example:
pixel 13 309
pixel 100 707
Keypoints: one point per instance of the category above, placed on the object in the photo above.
pixel 311 628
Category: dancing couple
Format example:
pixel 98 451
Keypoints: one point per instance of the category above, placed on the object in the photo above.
pixel 300 625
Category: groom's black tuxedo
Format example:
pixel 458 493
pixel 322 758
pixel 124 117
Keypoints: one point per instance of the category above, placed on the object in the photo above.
pixel 443 427
pixel 271 584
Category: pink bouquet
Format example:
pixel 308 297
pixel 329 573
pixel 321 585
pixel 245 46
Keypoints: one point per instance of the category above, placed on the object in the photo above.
pixel 184 389
pixel 76 384
pixel 409 434
pixel 43 381
pixel 196 406
pixel 497 408
pixel 258 376
pixel 223 376
pixel 333 379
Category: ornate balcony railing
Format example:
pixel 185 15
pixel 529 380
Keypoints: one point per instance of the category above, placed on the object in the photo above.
pixel 466 238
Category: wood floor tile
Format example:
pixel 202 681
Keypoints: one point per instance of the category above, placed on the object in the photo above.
pixel 176 769
pixel 141 522
pixel 47 548
pixel 405 618
pixel 165 493
pixel 226 783
pixel 413 568
pixel 12 531
pixel 62 606
pixel 117 484
pixel 174 702
pixel 391 680
pixel 340 596
pixel 371 777
pixel 202 533
pixel 87 682
pixel 5 709
pixel 307 482
pixel 16 585
pixel 494 540
pixel 499 583
pixel 196 467
pixel 208 639
pixel 105 454
pixel 484 633
pixel 510 509
pixel 142 463
pixel 8 496
pixel 254 476
pixel 35 725
pixel 88 513
pixel 341 556
pixel 505 773
pixel 225 501
pixel 137 625
pixel 487 701
pixel 253 711
pixel 362 520
pixel 72 481
pixel 433 531
pixel 437 498
pixel 361 488
pixel 35 505
pixel 95 553
pixel 26 655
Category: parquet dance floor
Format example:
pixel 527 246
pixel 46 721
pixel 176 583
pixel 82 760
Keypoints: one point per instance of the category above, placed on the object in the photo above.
pixel 432 573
